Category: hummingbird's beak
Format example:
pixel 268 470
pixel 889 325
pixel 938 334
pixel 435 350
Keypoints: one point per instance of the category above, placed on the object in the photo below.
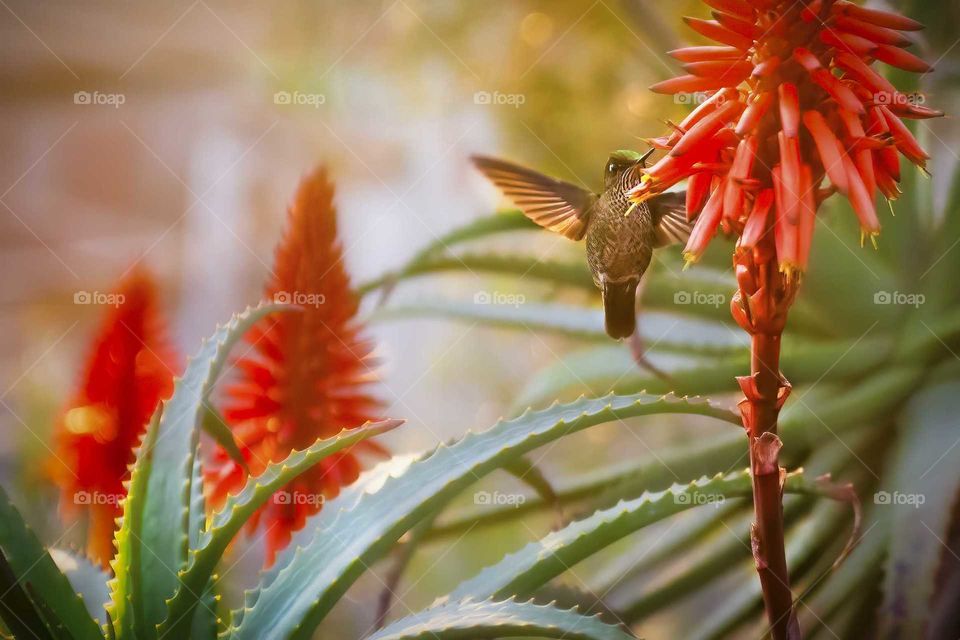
pixel 643 159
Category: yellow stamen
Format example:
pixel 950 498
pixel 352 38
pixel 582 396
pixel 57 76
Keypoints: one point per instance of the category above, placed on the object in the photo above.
pixel 890 204
pixel 630 209
pixel 689 258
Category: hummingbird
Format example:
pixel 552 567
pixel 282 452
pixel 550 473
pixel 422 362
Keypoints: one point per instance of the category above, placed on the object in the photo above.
pixel 620 235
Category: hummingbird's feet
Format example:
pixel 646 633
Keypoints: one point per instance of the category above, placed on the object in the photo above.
pixel 639 350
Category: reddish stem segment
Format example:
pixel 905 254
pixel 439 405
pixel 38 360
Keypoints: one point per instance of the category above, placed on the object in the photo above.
pixel 767 531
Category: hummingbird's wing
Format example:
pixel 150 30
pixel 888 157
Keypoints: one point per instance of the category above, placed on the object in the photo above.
pixel 553 204
pixel 669 212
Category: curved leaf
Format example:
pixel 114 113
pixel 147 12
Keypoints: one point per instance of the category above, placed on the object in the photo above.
pixel 918 502
pixel 154 536
pixel 612 367
pixel 667 331
pixel 37 574
pixel 488 619
pixel 88 581
pixel 524 571
pixel 227 522
pixel 309 580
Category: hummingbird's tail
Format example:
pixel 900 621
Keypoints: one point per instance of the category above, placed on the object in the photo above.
pixel 618 307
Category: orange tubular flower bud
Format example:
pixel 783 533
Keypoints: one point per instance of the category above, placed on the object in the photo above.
pixel 706 225
pixel 867 76
pixel 808 212
pixel 863 156
pixel 847 42
pixel 721 69
pixel 880 35
pixel 890 160
pixel 756 224
pixel 742 165
pixel 844 96
pixel 905 141
pixel 789 109
pixel 766 68
pixel 688 84
pixel 829 149
pixel 877 17
pixel 901 59
pixel 707 127
pixel 698 187
pixel 785 231
pixel 789 175
pixel 737 25
pixel 716 31
pixel 739 8
pixel 753 113
pixel 861 199
pixel 704 54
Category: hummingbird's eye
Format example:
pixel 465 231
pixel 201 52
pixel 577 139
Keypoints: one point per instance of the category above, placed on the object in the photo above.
pixel 611 167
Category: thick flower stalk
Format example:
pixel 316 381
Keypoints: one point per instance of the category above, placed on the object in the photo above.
pixel 795 111
pixel 305 375
pixel 130 370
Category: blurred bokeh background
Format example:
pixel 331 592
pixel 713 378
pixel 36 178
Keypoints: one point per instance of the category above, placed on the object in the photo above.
pixel 171 136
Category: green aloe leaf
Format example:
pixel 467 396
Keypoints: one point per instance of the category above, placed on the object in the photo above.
pixel 154 536
pixel 667 331
pixel 87 579
pixel 217 428
pixel 340 543
pixel 21 616
pixel 612 367
pixel 223 525
pixel 528 569
pixel 918 500
pixel 35 573
pixel 531 567
pixel 488 619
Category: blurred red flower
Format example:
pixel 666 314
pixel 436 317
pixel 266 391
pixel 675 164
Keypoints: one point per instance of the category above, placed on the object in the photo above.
pixel 306 375
pixel 793 98
pixel 129 372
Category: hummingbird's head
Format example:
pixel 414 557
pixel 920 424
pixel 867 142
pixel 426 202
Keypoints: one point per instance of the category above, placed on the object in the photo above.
pixel 620 161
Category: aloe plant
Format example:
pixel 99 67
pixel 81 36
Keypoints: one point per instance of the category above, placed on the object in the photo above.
pixel 164 582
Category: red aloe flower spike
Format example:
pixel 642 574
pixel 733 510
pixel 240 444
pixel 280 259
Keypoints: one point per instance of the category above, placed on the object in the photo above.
pixel 307 375
pixel 815 55
pixel 129 371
